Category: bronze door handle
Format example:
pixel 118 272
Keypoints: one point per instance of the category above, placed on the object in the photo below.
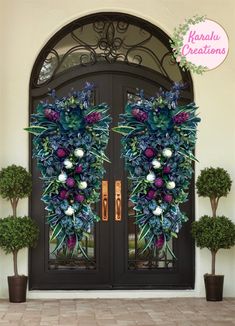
pixel 105 202
pixel 118 200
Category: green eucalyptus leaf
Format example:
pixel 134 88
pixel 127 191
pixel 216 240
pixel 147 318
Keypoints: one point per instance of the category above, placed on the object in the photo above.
pixel 144 231
pixel 56 231
pixel 36 130
pixel 60 242
pixel 123 130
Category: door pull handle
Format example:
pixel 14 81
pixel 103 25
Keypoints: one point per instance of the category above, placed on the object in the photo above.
pixel 118 200
pixel 105 201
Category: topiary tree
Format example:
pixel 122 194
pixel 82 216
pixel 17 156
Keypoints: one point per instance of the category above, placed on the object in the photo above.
pixel 216 232
pixel 213 183
pixel 17 233
pixel 15 183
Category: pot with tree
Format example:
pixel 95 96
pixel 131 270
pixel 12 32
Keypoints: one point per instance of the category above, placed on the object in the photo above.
pixel 16 232
pixel 216 232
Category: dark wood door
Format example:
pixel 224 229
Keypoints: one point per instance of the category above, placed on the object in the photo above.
pixel 115 259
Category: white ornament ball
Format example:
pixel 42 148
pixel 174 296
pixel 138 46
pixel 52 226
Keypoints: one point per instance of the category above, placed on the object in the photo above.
pixel 79 152
pixel 69 211
pixel 157 211
pixel 82 185
pixel 156 164
pixel 62 177
pixel 151 177
pixel 167 152
pixel 68 164
pixel 170 185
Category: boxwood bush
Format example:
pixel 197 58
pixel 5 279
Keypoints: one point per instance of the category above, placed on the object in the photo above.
pixel 17 233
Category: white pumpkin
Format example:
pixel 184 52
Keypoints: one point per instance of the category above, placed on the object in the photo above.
pixel 170 185
pixel 68 164
pixel 79 152
pixel 82 185
pixel 157 211
pixel 69 211
pixel 62 177
pixel 167 152
pixel 156 164
pixel 151 177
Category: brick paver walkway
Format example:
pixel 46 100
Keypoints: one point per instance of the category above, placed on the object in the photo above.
pixel 119 312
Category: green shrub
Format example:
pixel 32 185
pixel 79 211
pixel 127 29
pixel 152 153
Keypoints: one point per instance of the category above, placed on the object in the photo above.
pixel 213 182
pixel 17 233
pixel 214 233
pixel 15 183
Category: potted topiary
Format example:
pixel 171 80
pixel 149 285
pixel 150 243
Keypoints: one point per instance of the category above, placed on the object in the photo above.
pixel 16 232
pixel 216 232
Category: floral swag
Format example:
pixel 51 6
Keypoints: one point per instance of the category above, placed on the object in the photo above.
pixel 70 137
pixel 158 141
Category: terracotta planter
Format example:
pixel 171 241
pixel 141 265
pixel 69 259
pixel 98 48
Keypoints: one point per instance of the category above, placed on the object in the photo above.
pixel 214 287
pixel 17 286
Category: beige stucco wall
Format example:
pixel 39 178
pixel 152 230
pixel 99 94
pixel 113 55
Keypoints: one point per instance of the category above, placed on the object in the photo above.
pixel 26 25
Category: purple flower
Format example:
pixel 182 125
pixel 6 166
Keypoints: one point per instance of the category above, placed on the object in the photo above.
pixel 63 194
pixel 168 198
pixel 79 198
pixel 52 115
pixel 160 241
pixel 158 182
pixel 180 118
pixel 151 194
pixel 78 169
pixel 71 241
pixel 149 152
pixel 166 169
pixel 70 182
pixel 139 115
pixel 61 152
pixel 93 117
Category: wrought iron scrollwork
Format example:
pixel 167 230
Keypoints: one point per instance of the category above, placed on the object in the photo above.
pixel 111 41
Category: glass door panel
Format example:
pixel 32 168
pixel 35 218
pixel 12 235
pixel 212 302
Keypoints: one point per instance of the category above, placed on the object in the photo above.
pixel 66 259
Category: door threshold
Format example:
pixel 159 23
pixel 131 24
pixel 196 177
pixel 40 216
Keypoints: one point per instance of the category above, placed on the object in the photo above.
pixel 110 294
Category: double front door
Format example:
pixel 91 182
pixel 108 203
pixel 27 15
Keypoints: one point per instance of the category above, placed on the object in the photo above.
pixel 115 255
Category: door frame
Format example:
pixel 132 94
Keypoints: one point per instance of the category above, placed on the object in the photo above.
pixel 152 76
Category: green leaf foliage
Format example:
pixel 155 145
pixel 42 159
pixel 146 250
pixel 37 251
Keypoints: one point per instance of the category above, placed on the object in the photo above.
pixel 15 182
pixel 56 232
pixel 124 130
pixel 35 130
pixel 213 183
pixel 214 233
pixel 17 233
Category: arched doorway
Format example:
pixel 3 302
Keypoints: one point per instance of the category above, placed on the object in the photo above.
pixel 118 53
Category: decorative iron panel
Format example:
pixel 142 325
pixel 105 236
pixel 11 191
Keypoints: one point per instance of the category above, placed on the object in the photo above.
pixel 109 40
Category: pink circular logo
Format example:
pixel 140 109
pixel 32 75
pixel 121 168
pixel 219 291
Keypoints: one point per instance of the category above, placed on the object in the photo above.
pixel 205 44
